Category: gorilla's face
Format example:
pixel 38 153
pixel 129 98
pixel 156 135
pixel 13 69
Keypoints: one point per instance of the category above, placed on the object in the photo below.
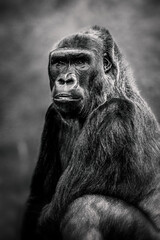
pixel 75 69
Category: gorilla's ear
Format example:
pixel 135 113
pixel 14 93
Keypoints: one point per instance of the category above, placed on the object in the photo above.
pixel 111 55
pixel 106 63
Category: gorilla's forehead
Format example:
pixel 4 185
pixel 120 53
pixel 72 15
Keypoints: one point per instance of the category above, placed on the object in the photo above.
pixel 82 41
pixel 62 52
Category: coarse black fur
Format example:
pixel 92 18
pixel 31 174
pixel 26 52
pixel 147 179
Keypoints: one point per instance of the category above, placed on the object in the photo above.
pixel 98 173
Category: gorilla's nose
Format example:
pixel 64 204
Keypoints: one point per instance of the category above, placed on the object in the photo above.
pixel 68 79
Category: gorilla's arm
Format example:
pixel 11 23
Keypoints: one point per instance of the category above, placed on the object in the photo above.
pixel 46 175
pixel 109 160
pixel 98 217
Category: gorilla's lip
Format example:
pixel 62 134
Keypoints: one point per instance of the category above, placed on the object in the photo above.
pixel 65 97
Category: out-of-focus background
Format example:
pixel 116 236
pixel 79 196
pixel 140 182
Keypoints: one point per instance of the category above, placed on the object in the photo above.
pixel 28 30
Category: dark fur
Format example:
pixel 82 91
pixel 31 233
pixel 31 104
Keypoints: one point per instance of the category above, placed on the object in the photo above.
pixel 98 171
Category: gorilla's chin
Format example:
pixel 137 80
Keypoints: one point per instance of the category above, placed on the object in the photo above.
pixel 68 105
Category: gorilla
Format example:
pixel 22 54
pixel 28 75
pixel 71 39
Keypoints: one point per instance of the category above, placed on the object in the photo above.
pixel 98 172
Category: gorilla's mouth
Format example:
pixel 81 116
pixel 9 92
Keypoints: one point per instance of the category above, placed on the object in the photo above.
pixel 66 97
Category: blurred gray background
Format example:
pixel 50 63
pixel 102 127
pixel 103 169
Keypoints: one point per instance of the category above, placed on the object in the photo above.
pixel 28 30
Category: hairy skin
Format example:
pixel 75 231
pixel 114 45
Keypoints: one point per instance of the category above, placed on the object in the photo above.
pixel 102 217
pixel 98 173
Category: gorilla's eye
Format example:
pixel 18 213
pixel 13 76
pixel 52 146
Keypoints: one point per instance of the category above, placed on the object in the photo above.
pixel 58 63
pixel 81 64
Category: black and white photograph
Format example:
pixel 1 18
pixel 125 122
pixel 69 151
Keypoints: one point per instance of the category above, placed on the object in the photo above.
pixel 80 120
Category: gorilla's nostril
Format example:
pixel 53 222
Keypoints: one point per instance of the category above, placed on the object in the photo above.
pixel 61 81
pixel 70 81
